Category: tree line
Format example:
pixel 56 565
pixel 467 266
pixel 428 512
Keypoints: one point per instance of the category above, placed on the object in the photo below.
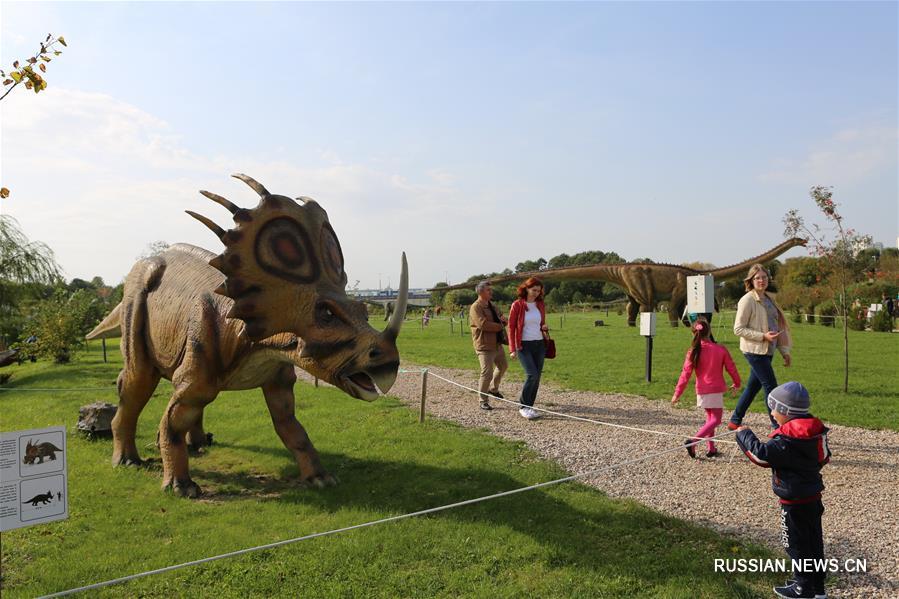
pixel 805 285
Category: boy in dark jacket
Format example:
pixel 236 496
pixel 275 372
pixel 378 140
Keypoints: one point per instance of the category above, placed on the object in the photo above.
pixel 796 451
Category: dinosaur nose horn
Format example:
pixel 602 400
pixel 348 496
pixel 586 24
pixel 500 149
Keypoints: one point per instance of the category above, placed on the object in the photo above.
pixel 396 321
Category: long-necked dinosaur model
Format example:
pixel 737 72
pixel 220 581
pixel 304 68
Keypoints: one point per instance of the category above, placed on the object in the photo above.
pixel 273 300
pixel 646 284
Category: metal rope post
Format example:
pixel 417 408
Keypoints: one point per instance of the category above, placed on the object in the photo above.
pixel 424 394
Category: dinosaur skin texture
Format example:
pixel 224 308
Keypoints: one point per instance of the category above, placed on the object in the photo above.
pixel 646 284
pixel 273 300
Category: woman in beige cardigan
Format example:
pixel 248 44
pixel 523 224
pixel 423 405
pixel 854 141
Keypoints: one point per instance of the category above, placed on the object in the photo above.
pixel 762 329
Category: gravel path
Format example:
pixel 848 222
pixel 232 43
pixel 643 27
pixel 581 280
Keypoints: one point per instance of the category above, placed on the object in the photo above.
pixel 727 494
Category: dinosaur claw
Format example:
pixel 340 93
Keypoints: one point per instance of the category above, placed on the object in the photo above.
pixel 128 461
pixel 319 481
pixel 183 488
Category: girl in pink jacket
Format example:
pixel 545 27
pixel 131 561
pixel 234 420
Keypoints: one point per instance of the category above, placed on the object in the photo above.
pixel 708 360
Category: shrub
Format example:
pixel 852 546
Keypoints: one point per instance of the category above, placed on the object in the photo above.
pixel 60 323
pixel 827 311
pixel 796 314
pixel 857 320
pixel 882 322
pixel 810 314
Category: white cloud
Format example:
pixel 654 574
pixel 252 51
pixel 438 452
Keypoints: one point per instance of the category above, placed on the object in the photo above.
pixel 98 179
pixel 846 156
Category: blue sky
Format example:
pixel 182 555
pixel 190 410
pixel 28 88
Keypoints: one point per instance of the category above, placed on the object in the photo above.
pixel 470 135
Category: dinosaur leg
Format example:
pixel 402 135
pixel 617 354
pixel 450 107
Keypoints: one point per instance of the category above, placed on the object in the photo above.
pixel 631 312
pixel 136 382
pixel 279 397
pixel 135 389
pixel 184 412
pixel 675 310
pixel 197 437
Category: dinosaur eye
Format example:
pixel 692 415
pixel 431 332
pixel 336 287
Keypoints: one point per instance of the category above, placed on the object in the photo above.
pixel 325 315
pixel 283 249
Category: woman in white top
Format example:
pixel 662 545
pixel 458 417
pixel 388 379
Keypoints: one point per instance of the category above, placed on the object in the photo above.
pixel 762 328
pixel 527 323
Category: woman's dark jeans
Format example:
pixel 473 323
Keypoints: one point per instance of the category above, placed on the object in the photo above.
pixel 531 356
pixel 761 374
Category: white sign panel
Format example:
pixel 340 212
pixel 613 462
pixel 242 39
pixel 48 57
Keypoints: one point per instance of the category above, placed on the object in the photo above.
pixel 648 324
pixel 33 477
pixel 701 294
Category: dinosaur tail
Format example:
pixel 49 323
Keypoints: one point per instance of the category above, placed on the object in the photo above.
pixel 110 327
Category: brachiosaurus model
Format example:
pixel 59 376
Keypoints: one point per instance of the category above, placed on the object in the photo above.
pixel 646 284
pixel 274 299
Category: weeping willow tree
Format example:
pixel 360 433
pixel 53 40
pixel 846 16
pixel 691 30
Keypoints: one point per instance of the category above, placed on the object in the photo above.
pixel 25 266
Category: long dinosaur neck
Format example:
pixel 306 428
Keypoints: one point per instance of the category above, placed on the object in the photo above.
pixel 741 268
pixel 598 272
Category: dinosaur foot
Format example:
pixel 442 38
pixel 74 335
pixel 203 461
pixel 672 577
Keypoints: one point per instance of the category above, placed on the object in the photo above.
pixel 196 443
pixel 183 488
pixel 319 481
pixel 126 460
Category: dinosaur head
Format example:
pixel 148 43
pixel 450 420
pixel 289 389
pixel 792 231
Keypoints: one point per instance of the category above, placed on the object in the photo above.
pixel 283 269
pixel 30 453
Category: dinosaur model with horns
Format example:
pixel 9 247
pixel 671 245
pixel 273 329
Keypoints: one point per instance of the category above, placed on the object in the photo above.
pixel 274 299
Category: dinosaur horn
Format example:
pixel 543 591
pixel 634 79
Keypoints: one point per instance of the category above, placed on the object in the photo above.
pixel 396 321
pixel 257 187
pixel 220 200
pixel 219 232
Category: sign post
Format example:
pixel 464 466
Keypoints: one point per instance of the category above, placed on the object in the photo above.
pixel 648 330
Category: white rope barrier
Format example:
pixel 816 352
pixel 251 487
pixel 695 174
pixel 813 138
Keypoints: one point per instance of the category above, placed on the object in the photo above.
pixel 375 522
pixel 569 416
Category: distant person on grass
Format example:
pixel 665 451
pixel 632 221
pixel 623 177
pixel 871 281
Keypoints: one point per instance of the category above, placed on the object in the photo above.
pixel 488 334
pixel 795 452
pixel 527 325
pixel 709 361
pixel 890 306
pixel 762 328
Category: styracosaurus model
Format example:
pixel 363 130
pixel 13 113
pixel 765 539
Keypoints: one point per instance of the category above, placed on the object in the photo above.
pixel 274 299
pixel 645 283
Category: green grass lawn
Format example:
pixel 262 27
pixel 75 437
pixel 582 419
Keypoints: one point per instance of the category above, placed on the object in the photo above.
pixel 564 541
pixel 611 358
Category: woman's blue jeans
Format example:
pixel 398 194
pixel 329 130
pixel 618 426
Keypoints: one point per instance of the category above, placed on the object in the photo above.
pixel 531 356
pixel 761 374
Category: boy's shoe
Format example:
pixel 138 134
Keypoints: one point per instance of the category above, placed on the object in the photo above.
pixel 794 591
pixel 712 454
pixel 486 406
pixel 732 426
pixel 691 449
pixel 496 394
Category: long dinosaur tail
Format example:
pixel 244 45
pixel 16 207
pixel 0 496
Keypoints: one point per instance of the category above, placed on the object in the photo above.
pixel 110 327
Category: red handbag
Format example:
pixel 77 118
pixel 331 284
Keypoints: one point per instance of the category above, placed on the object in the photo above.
pixel 550 345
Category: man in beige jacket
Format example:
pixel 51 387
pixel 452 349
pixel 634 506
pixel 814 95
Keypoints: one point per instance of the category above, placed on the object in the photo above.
pixel 488 333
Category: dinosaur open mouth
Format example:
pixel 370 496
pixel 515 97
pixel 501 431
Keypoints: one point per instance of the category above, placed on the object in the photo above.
pixel 363 381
